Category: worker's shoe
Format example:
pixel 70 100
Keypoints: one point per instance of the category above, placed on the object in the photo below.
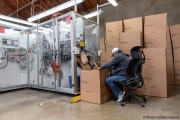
pixel 120 96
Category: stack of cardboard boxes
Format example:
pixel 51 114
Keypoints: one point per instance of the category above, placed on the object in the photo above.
pixel 157 48
pixel 112 40
pixel 132 35
pixel 154 70
pixel 113 30
pixel 115 37
pixel 175 35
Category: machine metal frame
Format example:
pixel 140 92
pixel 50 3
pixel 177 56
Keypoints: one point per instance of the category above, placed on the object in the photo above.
pixel 73 90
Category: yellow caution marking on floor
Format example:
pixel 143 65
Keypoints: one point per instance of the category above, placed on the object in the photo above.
pixel 75 99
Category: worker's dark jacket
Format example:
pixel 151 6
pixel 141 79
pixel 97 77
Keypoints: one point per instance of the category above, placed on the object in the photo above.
pixel 119 64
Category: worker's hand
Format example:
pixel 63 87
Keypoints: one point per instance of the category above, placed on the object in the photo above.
pixel 98 68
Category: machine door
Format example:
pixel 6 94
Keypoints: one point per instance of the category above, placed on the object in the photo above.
pixel 43 54
pixel 65 77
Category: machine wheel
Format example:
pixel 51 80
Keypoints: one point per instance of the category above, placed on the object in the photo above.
pixel 142 104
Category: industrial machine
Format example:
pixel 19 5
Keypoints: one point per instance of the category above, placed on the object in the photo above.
pixel 13 64
pixel 44 56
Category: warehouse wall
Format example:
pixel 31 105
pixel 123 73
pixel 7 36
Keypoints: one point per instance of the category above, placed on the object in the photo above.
pixel 136 8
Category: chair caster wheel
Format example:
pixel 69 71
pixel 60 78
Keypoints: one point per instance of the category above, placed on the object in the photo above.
pixel 129 99
pixel 144 99
pixel 122 104
pixel 142 104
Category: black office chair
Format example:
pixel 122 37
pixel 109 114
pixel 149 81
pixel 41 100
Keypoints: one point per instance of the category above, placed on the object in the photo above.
pixel 134 73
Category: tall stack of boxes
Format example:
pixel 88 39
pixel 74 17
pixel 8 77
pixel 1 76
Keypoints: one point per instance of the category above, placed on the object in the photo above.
pixel 155 31
pixel 113 30
pixel 132 35
pixel 154 70
pixel 159 69
pixel 175 35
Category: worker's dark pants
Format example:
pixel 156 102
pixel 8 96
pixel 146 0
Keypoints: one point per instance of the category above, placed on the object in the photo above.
pixel 114 88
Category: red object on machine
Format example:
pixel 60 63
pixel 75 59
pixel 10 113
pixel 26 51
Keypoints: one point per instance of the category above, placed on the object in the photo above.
pixel 68 20
pixel 55 66
pixel 54 15
pixel 2 29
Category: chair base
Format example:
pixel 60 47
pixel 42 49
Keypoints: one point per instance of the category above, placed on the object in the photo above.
pixel 140 98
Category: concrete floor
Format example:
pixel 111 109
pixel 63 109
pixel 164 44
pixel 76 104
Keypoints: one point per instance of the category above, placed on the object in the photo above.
pixel 25 105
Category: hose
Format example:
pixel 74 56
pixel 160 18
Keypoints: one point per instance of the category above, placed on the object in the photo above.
pixel 6 61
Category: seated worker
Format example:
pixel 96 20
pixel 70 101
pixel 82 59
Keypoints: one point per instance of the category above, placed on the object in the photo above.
pixel 118 66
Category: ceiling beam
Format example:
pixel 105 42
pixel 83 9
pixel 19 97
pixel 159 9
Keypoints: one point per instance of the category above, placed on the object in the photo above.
pixel 22 8
pixel 4 9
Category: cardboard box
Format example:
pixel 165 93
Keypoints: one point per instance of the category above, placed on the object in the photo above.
pixel 170 68
pixel 168 40
pixel 177 79
pixel 177 71
pixel 86 66
pixel 105 57
pixel 177 66
pixel 112 42
pixel 93 86
pixel 155 86
pixel 134 24
pixel 176 51
pixel 175 35
pixel 129 40
pixel 171 79
pixel 102 44
pixel 155 31
pixel 174 30
pixel 114 28
pixel 169 57
pixel 155 66
pixel 155 72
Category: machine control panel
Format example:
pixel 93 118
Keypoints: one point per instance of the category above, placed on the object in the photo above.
pixel 8 42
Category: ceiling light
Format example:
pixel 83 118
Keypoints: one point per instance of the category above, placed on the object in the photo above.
pixel 12 25
pixel 113 2
pixel 45 29
pixel 64 29
pixel 54 10
pixel 93 14
pixel 16 20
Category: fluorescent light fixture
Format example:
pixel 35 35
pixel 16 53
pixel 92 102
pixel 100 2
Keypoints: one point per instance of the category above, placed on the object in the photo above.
pixel 113 2
pixel 45 29
pixel 93 14
pixel 54 10
pixel 12 25
pixel 64 29
pixel 16 20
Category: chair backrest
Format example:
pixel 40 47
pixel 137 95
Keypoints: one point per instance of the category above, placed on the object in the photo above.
pixel 137 52
pixel 134 69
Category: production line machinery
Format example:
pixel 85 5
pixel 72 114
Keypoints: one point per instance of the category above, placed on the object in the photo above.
pixel 44 56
